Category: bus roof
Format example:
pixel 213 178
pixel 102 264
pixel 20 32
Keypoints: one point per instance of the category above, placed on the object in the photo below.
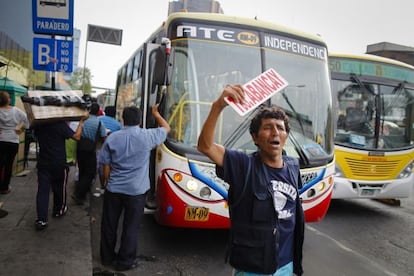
pixel 217 17
pixel 368 57
pixel 242 21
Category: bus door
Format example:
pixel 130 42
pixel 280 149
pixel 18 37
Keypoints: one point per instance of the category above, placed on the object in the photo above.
pixel 156 75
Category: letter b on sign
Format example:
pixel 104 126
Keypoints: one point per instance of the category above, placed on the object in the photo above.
pixel 43 53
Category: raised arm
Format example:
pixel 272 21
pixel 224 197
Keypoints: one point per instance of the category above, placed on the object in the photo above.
pixel 77 135
pixel 160 120
pixel 206 143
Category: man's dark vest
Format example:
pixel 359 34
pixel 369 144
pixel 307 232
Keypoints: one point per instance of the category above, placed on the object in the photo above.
pixel 254 221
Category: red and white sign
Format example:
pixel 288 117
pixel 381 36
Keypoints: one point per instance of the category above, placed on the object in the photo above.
pixel 258 91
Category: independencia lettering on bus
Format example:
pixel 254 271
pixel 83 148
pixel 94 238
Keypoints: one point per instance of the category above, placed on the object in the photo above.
pixel 295 46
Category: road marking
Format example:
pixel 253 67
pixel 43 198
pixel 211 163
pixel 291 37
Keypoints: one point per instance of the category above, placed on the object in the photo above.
pixel 342 246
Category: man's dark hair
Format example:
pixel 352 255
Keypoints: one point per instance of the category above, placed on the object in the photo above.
pixel 265 112
pixel 110 111
pixel 131 116
pixel 94 109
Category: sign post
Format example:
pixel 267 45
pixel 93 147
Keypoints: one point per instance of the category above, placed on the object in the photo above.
pixel 100 34
pixel 52 17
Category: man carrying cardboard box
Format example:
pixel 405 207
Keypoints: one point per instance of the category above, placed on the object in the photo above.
pixel 52 170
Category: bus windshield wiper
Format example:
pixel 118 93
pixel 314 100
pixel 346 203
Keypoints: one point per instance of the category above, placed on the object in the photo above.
pixel 397 90
pixel 399 87
pixel 298 149
pixel 361 84
pixel 295 113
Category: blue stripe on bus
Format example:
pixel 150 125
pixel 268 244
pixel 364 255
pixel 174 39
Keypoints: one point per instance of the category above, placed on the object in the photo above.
pixel 206 180
pixel 313 181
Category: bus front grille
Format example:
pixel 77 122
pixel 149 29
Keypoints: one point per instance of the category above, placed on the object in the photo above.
pixel 372 169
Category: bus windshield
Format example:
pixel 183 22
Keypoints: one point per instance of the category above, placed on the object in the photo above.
pixel 373 116
pixel 203 68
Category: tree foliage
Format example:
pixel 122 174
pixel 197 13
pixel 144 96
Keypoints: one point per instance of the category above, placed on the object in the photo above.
pixel 81 80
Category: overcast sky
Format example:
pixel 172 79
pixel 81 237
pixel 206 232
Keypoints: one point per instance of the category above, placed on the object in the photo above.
pixel 346 26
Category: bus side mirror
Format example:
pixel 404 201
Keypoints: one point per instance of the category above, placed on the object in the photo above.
pixel 162 67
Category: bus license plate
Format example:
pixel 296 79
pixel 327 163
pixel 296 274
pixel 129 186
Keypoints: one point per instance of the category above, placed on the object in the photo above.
pixel 196 213
pixel 368 192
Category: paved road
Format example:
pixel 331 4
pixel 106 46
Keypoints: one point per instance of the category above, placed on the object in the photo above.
pixel 354 239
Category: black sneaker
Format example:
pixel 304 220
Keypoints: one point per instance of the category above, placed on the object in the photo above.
pixel 122 267
pixel 3 213
pixel 40 225
pixel 61 213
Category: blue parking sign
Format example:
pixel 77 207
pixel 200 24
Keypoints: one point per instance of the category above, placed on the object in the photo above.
pixel 52 55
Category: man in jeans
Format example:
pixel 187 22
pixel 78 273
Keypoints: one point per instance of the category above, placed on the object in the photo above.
pixel 93 130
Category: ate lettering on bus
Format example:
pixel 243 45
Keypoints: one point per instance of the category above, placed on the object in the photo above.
pixel 258 91
pixel 205 32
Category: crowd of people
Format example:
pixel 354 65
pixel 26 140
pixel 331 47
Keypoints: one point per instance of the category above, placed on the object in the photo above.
pixel 267 219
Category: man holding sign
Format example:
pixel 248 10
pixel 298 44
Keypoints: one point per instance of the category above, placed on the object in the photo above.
pixel 267 220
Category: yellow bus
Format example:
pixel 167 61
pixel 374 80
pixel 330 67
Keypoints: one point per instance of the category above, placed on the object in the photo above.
pixel 374 141
pixel 185 64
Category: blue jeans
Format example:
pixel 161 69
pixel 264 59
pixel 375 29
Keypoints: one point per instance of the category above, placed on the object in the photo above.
pixel 286 270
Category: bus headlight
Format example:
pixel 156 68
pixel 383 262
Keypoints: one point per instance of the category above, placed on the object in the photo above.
pixel 205 192
pixel 192 186
pixel 321 186
pixel 178 177
pixel 311 193
pixel 407 171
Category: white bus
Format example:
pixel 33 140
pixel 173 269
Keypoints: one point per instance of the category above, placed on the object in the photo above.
pixel 185 65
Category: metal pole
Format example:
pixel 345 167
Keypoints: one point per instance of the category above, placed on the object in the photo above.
pixel 53 84
pixel 84 62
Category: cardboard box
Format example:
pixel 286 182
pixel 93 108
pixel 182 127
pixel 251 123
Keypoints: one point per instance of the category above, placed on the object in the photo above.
pixel 38 114
pixel 18 163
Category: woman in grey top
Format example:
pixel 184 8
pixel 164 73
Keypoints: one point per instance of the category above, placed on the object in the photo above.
pixel 13 121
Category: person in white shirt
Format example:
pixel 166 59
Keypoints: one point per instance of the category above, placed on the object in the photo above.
pixel 13 122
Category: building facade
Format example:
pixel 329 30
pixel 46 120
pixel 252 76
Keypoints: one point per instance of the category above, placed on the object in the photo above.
pixel 393 51
pixel 211 6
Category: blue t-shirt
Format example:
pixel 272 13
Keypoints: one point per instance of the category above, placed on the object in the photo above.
pixel 127 151
pixel 110 123
pixel 284 195
pixel 284 199
pixel 90 128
